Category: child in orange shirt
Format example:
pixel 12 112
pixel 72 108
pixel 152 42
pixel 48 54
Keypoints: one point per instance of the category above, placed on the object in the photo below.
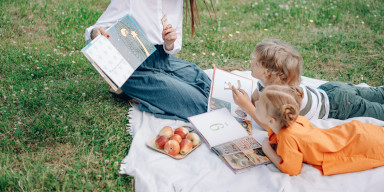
pixel 350 147
pixel 275 62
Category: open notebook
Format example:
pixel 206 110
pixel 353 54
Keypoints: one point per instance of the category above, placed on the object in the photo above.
pixel 221 95
pixel 118 56
pixel 229 140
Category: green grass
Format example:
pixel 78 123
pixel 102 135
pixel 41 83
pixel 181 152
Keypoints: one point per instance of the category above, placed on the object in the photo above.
pixel 60 129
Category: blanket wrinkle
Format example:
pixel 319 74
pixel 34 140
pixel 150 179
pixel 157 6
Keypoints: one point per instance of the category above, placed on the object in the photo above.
pixel 202 170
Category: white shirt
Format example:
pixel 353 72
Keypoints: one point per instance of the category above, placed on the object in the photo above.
pixel 147 14
pixel 315 102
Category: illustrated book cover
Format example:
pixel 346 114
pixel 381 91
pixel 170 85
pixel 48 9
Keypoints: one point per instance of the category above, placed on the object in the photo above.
pixel 221 95
pixel 118 56
pixel 229 140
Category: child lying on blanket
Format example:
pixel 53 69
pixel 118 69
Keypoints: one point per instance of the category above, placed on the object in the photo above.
pixel 276 62
pixel 350 147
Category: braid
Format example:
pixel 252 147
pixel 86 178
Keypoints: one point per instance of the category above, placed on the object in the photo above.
pixel 283 103
pixel 289 114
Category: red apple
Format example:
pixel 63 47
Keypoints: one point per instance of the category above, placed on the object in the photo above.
pixel 185 146
pixel 176 137
pixel 194 138
pixel 172 147
pixel 161 141
pixel 182 131
pixel 166 131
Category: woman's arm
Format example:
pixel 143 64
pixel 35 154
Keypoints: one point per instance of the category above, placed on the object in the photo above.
pixel 174 11
pixel 169 36
pixel 115 10
pixel 271 154
pixel 173 38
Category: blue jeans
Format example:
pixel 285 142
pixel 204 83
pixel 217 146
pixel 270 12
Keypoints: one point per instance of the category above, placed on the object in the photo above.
pixel 348 100
pixel 169 87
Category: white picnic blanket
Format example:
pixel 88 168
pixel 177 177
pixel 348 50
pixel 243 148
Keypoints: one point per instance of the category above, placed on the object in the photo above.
pixel 202 170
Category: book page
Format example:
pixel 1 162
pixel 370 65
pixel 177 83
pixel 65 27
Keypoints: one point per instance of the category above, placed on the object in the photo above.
pixel 221 95
pixel 108 58
pixel 241 154
pixel 130 41
pixel 218 127
pixel 117 57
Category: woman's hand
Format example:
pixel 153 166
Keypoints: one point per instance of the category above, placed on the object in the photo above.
pixel 169 37
pixel 241 98
pixel 97 31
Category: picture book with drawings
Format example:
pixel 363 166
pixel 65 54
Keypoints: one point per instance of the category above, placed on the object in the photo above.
pixel 118 56
pixel 229 140
pixel 221 95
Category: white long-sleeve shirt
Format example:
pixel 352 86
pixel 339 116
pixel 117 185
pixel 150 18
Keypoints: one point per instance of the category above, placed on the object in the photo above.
pixel 147 14
pixel 315 102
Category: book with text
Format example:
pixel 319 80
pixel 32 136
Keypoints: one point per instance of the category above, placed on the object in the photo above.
pixel 221 95
pixel 229 140
pixel 118 56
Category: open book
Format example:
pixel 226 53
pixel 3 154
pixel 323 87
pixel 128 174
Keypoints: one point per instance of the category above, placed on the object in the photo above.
pixel 229 140
pixel 221 95
pixel 118 56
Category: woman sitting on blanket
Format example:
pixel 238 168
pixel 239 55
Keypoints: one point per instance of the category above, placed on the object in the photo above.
pixel 163 84
pixel 350 147
pixel 276 62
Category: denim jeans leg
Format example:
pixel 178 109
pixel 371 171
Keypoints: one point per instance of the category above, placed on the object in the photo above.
pixel 169 87
pixel 373 94
pixel 190 73
pixel 165 96
pixel 346 103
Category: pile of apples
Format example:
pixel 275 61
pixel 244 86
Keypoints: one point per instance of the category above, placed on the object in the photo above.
pixel 180 141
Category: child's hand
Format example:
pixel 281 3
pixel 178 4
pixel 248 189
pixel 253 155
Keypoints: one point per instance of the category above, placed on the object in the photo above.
pixel 241 98
pixel 270 152
pixel 169 36
pixel 254 97
pixel 97 31
pixel 266 142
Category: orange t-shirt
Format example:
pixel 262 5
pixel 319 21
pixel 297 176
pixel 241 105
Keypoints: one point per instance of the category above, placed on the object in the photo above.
pixel 350 147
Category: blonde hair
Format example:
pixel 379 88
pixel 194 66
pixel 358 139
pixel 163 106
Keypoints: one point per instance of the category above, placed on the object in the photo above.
pixel 282 103
pixel 282 62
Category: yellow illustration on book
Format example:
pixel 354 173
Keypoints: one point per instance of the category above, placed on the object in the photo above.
pixel 216 126
pixel 125 32
pixel 134 34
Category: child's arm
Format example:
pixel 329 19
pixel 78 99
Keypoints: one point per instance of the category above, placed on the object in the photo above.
pixel 289 161
pixel 255 97
pixel 271 153
pixel 241 98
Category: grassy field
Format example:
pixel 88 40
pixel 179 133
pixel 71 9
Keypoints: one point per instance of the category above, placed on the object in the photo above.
pixel 60 129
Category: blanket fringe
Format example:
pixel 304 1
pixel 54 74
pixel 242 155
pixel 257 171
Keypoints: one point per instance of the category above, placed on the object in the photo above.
pixel 130 120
